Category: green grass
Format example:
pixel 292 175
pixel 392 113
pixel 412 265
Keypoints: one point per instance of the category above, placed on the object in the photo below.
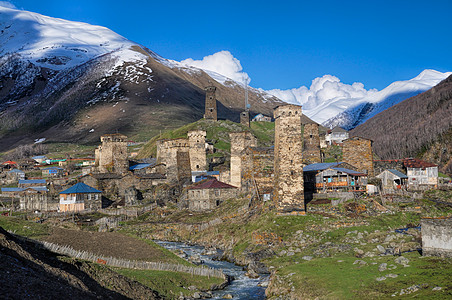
pixel 24 228
pixel 170 284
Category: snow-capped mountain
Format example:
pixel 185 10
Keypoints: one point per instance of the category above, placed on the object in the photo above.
pixel 63 80
pixel 360 110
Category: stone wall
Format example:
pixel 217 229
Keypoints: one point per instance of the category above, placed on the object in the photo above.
pixel 207 199
pixel 197 144
pixel 239 142
pixel 42 201
pixel 175 155
pixel 245 118
pixel 311 144
pixel 211 104
pixel 357 151
pixel 436 237
pixel 288 194
pixel 258 164
pixel 111 156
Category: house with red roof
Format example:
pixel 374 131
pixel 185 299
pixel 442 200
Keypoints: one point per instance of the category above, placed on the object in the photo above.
pixel 208 194
pixel 421 173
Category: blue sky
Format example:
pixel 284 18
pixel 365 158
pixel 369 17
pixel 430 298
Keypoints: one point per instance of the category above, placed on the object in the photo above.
pixel 282 44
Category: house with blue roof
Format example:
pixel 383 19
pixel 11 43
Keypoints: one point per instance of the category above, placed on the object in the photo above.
pixel 52 172
pixel 15 174
pixel 25 183
pixel 333 177
pixel 80 197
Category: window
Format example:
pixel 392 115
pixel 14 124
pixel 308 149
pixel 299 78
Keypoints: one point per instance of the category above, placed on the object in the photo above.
pixel 292 172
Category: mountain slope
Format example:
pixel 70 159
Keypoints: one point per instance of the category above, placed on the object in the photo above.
pixel 363 109
pixel 414 125
pixel 71 81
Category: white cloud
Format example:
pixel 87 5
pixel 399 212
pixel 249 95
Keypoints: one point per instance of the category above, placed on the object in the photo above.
pixel 7 4
pixel 223 63
pixel 325 89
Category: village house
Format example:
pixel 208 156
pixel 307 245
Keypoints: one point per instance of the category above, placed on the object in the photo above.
pixel 337 177
pixel 336 135
pixel 15 175
pixel 52 172
pixel 39 159
pixel 261 118
pixel 201 175
pixel 80 197
pixel 392 180
pixel 208 194
pixel 26 183
pixel 421 174
pixel 9 165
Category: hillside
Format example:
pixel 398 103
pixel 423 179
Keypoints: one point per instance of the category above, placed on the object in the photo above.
pixel 70 81
pixel 414 126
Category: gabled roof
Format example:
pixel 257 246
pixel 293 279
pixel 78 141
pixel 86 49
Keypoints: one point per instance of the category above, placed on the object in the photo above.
pixel 36 188
pixel 338 129
pixel 39 157
pixel 320 166
pixel 211 184
pixel 80 188
pixel 32 181
pixel 417 163
pixel 53 168
pixel 398 173
pixel 139 166
pixel 9 162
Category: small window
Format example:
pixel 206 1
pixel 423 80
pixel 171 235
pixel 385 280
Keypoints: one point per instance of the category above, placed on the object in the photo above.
pixel 292 172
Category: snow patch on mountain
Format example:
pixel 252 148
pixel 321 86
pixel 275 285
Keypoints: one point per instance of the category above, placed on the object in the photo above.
pixel 367 107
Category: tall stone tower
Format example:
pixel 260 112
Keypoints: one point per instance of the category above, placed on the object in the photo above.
pixel 239 142
pixel 288 193
pixel 197 143
pixel 211 104
pixel 175 155
pixel 111 156
pixel 245 118
pixel 357 151
pixel 311 144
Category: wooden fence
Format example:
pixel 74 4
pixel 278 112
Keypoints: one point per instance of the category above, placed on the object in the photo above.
pixel 131 264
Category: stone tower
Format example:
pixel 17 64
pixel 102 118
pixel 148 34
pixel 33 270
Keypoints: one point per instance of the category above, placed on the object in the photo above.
pixel 211 104
pixel 288 193
pixel 175 155
pixel 111 156
pixel 245 118
pixel 311 144
pixel 239 142
pixel 357 151
pixel 197 143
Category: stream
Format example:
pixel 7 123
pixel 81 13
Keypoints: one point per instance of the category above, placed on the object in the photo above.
pixel 242 287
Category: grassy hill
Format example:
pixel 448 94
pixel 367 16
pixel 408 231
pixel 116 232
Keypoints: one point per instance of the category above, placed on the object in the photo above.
pixel 217 133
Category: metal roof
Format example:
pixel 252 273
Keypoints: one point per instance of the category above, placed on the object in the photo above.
pixel 139 166
pixel 211 184
pixel 36 188
pixel 32 181
pixel 16 171
pixel 398 173
pixel 320 166
pixel 80 188
pixel 348 171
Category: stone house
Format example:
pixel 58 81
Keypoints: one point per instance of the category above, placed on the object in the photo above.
pixel 392 180
pixel 357 151
pixel 311 143
pixel 80 197
pixel 336 136
pixel 421 173
pixel 258 172
pixel 39 159
pixel 111 156
pixel 208 194
pixel 261 118
pixel 26 183
pixel 436 237
pixel 32 198
pixel 239 142
pixel 175 154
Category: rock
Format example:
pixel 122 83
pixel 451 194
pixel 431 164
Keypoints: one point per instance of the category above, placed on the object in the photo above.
pixel 298 250
pixel 382 267
pixel 228 296
pixel 360 235
pixel 282 253
pixel 197 295
pixel 192 288
pixel 358 252
pixel 437 288
pixel 359 261
pixel 369 254
pixel 196 259
pixel 381 249
pixel 258 267
pixel 401 260
pixel 252 274
pixel 339 261
pixel 392 267
pixel 307 257
pixel 392 276
pixel 290 253
pixel 389 238
pixel 381 278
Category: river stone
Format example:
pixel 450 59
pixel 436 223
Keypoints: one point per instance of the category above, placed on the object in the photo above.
pixel 382 267
pixel 197 295
pixel 251 274
pixel 228 296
